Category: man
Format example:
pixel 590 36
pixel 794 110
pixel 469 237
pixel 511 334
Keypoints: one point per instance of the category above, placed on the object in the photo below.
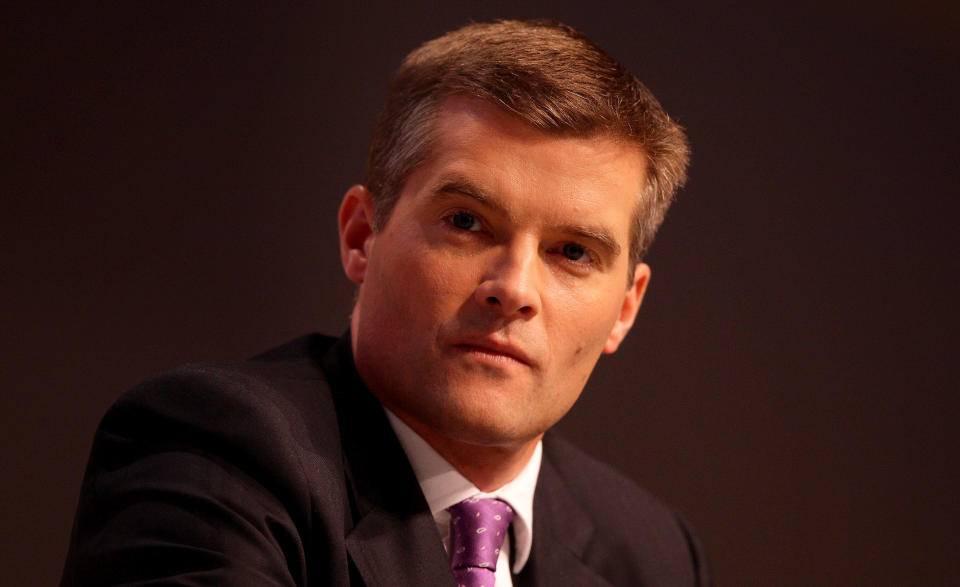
pixel 516 178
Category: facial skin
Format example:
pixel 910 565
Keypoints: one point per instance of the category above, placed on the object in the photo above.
pixel 487 298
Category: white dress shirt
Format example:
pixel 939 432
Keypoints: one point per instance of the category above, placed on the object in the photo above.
pixel 444 486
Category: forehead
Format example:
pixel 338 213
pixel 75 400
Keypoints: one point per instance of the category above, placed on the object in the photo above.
pixel 461 120
pixel 510 159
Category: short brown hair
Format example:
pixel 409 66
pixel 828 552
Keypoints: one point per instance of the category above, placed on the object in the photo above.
pixel 551 77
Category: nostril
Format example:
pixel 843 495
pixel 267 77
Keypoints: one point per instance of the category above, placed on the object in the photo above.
pixel 492 300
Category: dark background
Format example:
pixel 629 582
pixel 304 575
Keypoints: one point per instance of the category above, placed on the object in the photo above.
pixel 172 174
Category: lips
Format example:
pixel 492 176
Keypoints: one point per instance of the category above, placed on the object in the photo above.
pixel 495 350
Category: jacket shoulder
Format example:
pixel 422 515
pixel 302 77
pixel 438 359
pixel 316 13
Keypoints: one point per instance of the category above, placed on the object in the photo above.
pixel 253 404
pixel 636 536
pixel 215 465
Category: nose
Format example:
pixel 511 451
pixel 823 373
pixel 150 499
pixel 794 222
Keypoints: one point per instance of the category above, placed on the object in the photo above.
pixel 511 284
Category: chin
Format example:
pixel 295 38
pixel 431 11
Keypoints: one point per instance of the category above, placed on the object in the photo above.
pixel 485 427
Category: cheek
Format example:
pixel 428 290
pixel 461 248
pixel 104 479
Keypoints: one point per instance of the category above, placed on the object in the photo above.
pixel 582 325
pixel 422 286
pixel 587 317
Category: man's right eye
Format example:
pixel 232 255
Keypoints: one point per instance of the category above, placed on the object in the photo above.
pixel 464 221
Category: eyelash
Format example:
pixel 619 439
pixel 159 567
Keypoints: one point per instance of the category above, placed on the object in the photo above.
pixel 449 218
pixel 588 258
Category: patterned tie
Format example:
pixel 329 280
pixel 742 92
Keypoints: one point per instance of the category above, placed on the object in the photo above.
pixel 477 529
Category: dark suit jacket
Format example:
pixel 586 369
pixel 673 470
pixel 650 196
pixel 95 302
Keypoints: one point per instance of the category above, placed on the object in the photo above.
pixel 283 470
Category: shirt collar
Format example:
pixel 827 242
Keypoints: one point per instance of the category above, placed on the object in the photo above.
pixel 443 486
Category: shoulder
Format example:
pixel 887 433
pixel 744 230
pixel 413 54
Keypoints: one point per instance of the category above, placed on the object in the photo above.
pixel 229 460
pixel 596 484
pixel 274 389
pixel 631 525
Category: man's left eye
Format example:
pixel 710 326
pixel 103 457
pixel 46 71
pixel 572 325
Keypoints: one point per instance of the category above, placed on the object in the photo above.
pixel 574 252
pixel 464 221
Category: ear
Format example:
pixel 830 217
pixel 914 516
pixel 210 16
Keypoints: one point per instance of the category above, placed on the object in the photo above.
pixel 628 311
pixel 356 232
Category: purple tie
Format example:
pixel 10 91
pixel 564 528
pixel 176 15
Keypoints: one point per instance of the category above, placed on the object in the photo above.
pixel 477 529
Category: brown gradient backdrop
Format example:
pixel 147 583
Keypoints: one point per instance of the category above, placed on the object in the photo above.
pixel 174 172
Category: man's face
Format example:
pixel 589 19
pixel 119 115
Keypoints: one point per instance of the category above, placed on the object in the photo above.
pixel 489 295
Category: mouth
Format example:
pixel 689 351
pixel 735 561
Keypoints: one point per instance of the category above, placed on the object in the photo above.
pixel 494 351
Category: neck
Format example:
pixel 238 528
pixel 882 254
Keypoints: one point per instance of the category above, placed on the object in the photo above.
pixel 487 467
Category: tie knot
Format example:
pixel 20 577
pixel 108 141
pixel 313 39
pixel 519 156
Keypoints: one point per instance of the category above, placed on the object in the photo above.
pixel 477 529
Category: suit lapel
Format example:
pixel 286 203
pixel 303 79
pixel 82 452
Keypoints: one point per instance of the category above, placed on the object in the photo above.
pixel 394 540
pixel 561 534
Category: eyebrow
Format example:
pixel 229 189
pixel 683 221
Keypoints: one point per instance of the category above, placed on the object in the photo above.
pixel 598 235
pixel 455 184
pixel 459 185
